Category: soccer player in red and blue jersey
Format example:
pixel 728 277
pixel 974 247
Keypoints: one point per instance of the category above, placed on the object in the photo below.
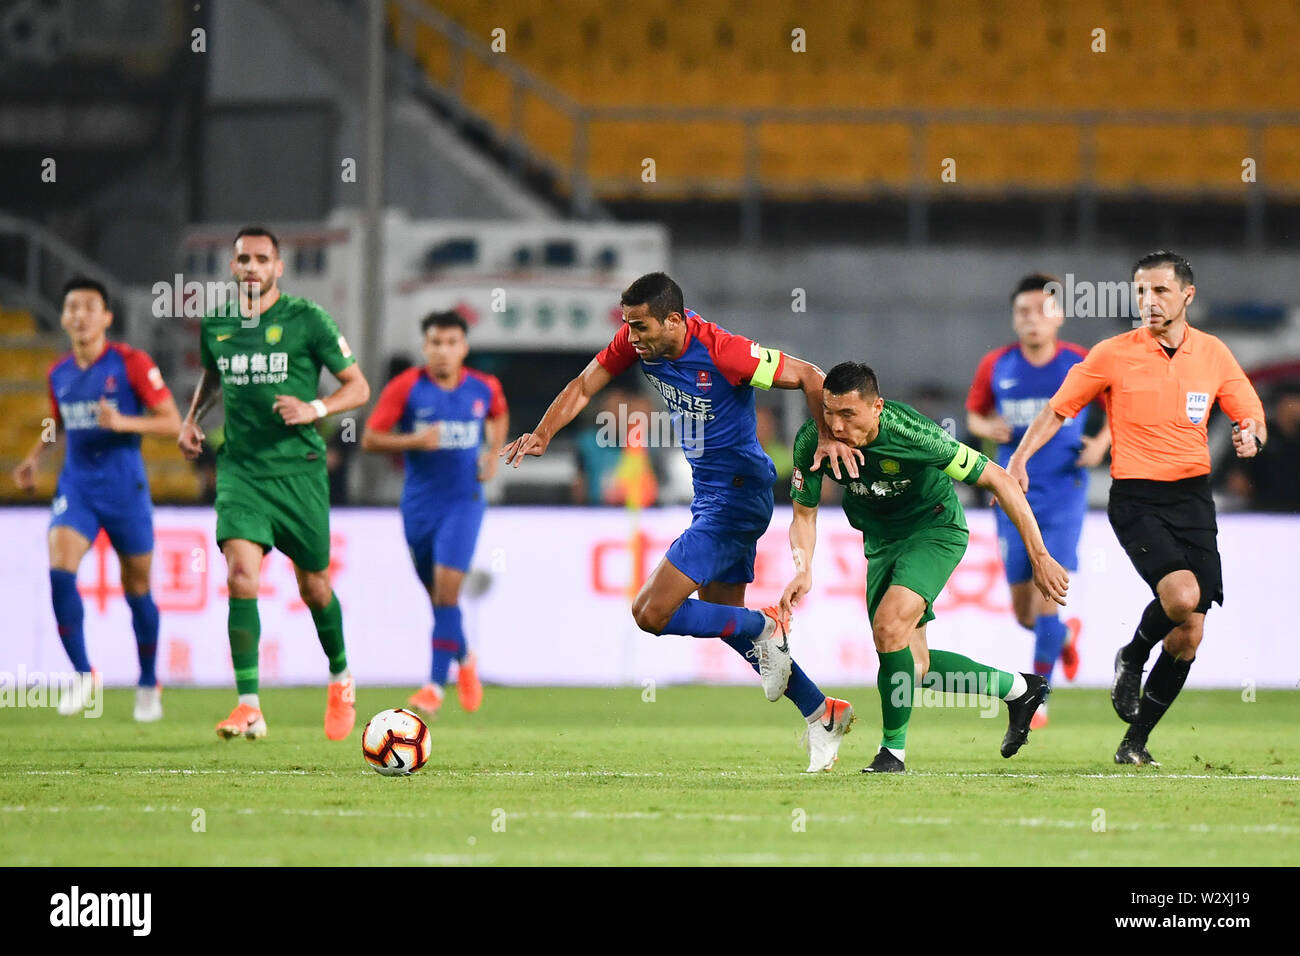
pixel 104 396
pixel 707 376
pixel 1011 385
pixel 446 419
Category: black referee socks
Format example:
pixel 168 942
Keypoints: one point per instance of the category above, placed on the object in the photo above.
pixel 1163 684
pixel 1151 630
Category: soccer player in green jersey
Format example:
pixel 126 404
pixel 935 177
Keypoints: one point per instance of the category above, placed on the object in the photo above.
pixel 263 356
pixel 913 534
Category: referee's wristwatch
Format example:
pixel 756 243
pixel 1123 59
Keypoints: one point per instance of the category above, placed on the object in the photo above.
pixel 1259 445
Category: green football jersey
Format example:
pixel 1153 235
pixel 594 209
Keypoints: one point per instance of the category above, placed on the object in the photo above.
pixel 281 353
pixel 904 485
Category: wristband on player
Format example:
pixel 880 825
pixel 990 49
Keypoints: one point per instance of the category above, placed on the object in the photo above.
pixel 319 406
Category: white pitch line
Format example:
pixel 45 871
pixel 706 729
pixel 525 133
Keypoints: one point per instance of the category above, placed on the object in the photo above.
pixel 184 772
pixel 561 774
pixel 659 815
pixel 1145 775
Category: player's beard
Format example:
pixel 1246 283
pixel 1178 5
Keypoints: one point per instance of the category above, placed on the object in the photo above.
pixel 254 294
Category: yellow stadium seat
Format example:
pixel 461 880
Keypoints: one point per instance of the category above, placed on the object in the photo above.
pixel 1279 167
pixel 912 54
pixel 27 364
pixel 549 130
pixel 685 156
pixel 16 322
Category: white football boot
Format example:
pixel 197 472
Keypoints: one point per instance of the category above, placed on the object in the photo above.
pixel 826 733
pixel 148 704
pixel 772 651
pixel 79 694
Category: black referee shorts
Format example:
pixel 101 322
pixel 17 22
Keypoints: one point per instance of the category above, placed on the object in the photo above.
pixel 1167 526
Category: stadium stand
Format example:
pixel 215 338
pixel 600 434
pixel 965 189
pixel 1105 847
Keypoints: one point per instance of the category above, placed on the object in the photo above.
pixel 914 58
pixel 24 400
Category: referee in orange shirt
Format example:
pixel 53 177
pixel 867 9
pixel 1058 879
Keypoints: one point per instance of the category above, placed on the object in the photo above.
pixel 1161 380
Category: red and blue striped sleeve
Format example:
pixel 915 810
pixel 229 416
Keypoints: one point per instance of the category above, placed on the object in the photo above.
pixel 618 356
pixel 143 375
pixel 980 399
pixel 392 401
pixel 741 361
pixel 497 406
pixel 54 402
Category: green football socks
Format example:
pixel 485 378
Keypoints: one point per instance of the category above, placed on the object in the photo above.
pixel 329 628
pixel 960 674
pixel 245 629
pixel 896 681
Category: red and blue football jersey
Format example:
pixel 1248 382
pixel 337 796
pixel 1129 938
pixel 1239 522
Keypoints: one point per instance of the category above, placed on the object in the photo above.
pixel 97 459
pixel 1007 383
pixel 709 389
pixel 411 402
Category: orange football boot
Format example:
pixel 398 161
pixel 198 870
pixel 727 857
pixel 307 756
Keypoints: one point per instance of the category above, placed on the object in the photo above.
pixel 341 709
pixel 467 682
pixel 246 721
pixel 427 700
pixel 1039 720
pixel 1070 649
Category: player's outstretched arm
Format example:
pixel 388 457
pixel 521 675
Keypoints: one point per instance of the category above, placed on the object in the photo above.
pixel 164 419
pixel 496 430
pixel 24 474
pixel 384 441
pixel 206 393
pixel 571 400
pixel 993 427
pixel 803 539
pixel 796 373
pixel 1040 432
pixel 1051 579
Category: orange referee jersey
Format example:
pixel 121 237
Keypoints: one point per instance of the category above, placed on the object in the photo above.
pixel 1159 405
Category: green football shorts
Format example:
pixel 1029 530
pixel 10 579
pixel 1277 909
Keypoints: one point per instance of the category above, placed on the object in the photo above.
pixel 922 562
pixel 290 513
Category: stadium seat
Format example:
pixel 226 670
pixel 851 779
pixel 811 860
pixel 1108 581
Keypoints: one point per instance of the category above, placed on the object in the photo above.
pixel 914 54
pixel 16 322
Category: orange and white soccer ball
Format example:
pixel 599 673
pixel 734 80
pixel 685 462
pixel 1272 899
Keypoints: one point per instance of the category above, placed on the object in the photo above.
pixel 396 742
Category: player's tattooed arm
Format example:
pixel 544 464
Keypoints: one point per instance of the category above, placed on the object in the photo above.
pixel 796 373
pixel 803 539
pixel 571 400
pixel 206 394
pixel 1040 432
pixel 1051 579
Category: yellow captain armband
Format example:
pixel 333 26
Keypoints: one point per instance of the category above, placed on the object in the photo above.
pixel 768 360
pixel 963 462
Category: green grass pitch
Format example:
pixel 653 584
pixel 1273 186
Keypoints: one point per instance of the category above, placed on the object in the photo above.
pixel 698 776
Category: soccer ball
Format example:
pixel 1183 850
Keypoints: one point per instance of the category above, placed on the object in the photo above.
pixel 396 742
